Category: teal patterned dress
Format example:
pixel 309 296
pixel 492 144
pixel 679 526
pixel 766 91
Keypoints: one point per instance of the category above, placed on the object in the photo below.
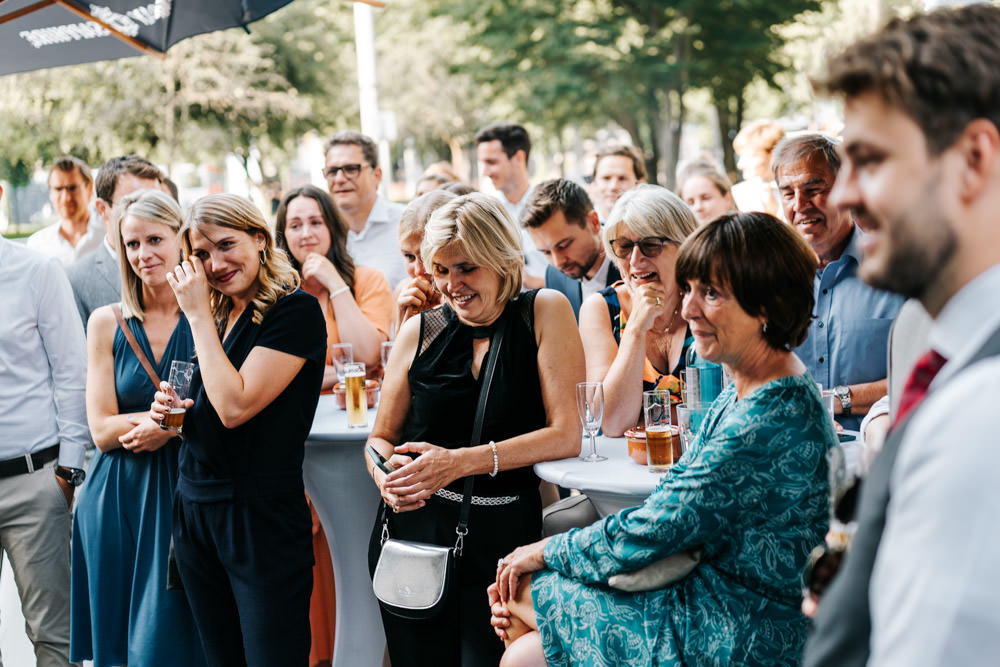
pixel 753 490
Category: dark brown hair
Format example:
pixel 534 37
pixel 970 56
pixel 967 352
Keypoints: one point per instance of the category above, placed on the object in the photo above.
pixel 69 164
pixel 764 263
pixel 557 194
pixel 512 137
pixel 335 225
pixel 939 68
pixel 107 176
pixel 369 150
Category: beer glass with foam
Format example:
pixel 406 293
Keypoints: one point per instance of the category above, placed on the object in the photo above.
pixel 180 386
pixel 660 434
pixel 354 393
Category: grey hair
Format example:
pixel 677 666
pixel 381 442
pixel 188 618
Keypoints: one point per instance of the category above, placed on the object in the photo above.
pixel 650 210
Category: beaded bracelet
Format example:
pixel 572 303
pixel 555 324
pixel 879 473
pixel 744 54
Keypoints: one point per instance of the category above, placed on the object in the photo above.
pixel 496 459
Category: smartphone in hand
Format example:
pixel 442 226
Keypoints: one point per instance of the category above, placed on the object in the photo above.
pixel 379 460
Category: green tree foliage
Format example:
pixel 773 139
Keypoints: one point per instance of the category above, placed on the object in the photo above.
pixel 628 61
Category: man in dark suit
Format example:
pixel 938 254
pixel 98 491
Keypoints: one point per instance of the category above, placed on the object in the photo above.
pixel 96 279
pixel 565 228
pixel 918 585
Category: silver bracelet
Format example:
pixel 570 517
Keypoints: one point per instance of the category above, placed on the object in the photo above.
pixel 338 292
pixel 496 459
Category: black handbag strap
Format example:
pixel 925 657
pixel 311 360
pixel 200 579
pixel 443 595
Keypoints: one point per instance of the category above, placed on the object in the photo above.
pixel 462 528
pixel 477 427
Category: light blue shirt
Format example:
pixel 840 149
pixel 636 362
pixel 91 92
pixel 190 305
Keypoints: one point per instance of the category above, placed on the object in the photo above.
pixel 377 245
pixel 849 335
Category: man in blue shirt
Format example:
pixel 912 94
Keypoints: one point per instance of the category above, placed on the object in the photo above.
pixel 847 344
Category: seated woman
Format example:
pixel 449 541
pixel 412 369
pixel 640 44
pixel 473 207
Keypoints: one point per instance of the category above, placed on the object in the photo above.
pixel 121 612
pixel 418 293
pixel 425 422
pixel 642 233
pixel 356 300
pixel 706 189
pixel 752 490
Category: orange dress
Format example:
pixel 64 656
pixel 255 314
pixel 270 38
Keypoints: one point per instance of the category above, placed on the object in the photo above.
pixel 374 298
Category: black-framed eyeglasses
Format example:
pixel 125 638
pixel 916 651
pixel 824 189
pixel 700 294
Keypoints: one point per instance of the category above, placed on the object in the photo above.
pixel 651 246
pixel 351 171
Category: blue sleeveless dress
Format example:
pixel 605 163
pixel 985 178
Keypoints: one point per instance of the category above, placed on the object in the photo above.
pixel 120 610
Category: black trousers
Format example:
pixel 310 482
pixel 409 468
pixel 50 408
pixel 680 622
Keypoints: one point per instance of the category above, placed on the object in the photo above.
pixel 461 635
pixel 246 566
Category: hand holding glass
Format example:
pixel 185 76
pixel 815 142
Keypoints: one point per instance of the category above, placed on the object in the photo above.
pixel 180 386
pixel 590 406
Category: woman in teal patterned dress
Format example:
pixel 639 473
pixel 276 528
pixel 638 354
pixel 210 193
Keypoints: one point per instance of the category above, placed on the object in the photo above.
pixel 752 490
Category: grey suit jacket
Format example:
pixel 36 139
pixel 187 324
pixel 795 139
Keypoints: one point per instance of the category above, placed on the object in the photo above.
pixel 842 625
pixel 96 281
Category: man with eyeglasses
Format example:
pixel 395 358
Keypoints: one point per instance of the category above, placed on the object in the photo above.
pixel 564 226
pixel 353 176
pixel 79 231
pixel 847 346
pixel 919 584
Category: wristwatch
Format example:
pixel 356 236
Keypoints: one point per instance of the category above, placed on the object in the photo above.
pixel 843 393
pixel 73 476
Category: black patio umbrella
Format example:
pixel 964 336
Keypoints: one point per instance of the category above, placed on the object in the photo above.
pixel 37 34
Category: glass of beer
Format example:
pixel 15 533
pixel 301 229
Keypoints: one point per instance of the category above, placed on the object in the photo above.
pixel 660 434
pixel 354 392
pixel 180 387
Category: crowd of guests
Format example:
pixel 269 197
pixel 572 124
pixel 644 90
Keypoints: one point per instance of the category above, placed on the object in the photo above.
pixel 202 548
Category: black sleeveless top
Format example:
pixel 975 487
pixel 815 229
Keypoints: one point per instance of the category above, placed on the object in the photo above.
pixel 445 394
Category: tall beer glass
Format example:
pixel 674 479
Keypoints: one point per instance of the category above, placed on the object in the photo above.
pixel 354 393
pixel 180 386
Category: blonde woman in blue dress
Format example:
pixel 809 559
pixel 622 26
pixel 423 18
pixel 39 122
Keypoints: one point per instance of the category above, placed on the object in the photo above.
pixel 752 490
pixel 121 610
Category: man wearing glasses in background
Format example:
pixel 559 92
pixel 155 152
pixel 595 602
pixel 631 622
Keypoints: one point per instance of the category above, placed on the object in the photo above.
pixel 353 176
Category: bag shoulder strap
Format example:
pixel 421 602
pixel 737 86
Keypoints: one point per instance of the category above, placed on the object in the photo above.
pixel 134 344
pixel 477 425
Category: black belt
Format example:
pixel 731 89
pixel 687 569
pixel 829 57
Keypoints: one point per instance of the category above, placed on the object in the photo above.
pixel 28 462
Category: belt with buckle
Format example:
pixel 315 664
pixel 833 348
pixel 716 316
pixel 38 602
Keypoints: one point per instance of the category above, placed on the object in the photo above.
pixel 29 462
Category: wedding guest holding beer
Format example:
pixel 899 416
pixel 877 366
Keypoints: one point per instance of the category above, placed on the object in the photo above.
pixel 242 532
pixel 472 249
pixel 121 610
pixel 706 189
pixel 633 333
pixel 418 293
pixel 356 300
pixel 752 490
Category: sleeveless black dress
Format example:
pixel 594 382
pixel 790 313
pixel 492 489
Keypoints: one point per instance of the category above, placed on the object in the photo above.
pixel 443 406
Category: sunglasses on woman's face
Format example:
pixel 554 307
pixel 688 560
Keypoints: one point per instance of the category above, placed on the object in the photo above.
pixel 651 246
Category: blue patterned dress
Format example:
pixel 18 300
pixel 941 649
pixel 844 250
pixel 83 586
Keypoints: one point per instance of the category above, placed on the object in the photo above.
pixel 753 490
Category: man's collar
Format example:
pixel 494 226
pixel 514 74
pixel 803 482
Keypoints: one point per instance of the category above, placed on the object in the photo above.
pixel 380 210
pixel 853 248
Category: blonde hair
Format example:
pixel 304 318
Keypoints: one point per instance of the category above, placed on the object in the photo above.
pixel 155 206
pixel 484 230
pixel 649 210
pixel 418 212
pixel 276 276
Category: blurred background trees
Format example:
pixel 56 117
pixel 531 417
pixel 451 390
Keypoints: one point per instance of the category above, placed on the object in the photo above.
pixel 676 79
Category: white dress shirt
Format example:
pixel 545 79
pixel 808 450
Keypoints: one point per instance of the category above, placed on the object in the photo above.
pixel 43 358
pixel 378 243
pixel 594 285
pixel 935 593
pixel 49 241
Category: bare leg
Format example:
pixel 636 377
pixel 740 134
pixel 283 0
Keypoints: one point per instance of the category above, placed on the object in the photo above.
pixel 524 644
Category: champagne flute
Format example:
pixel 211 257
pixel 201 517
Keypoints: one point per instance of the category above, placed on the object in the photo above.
pixel 590 406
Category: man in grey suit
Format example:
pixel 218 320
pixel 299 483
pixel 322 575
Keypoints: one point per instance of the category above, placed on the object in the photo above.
pixel 918 585
pixel 96 279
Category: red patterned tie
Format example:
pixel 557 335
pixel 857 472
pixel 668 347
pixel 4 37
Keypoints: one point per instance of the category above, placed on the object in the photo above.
pixel 918 382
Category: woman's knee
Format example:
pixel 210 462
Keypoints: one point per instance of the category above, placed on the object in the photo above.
pixel 526 651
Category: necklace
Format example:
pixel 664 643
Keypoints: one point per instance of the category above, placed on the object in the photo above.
pixel 670 324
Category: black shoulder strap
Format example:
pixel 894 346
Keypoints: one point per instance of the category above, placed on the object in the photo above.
pixel 477 427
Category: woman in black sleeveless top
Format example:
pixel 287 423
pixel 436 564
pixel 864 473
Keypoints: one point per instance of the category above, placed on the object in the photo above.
pixel 425 421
